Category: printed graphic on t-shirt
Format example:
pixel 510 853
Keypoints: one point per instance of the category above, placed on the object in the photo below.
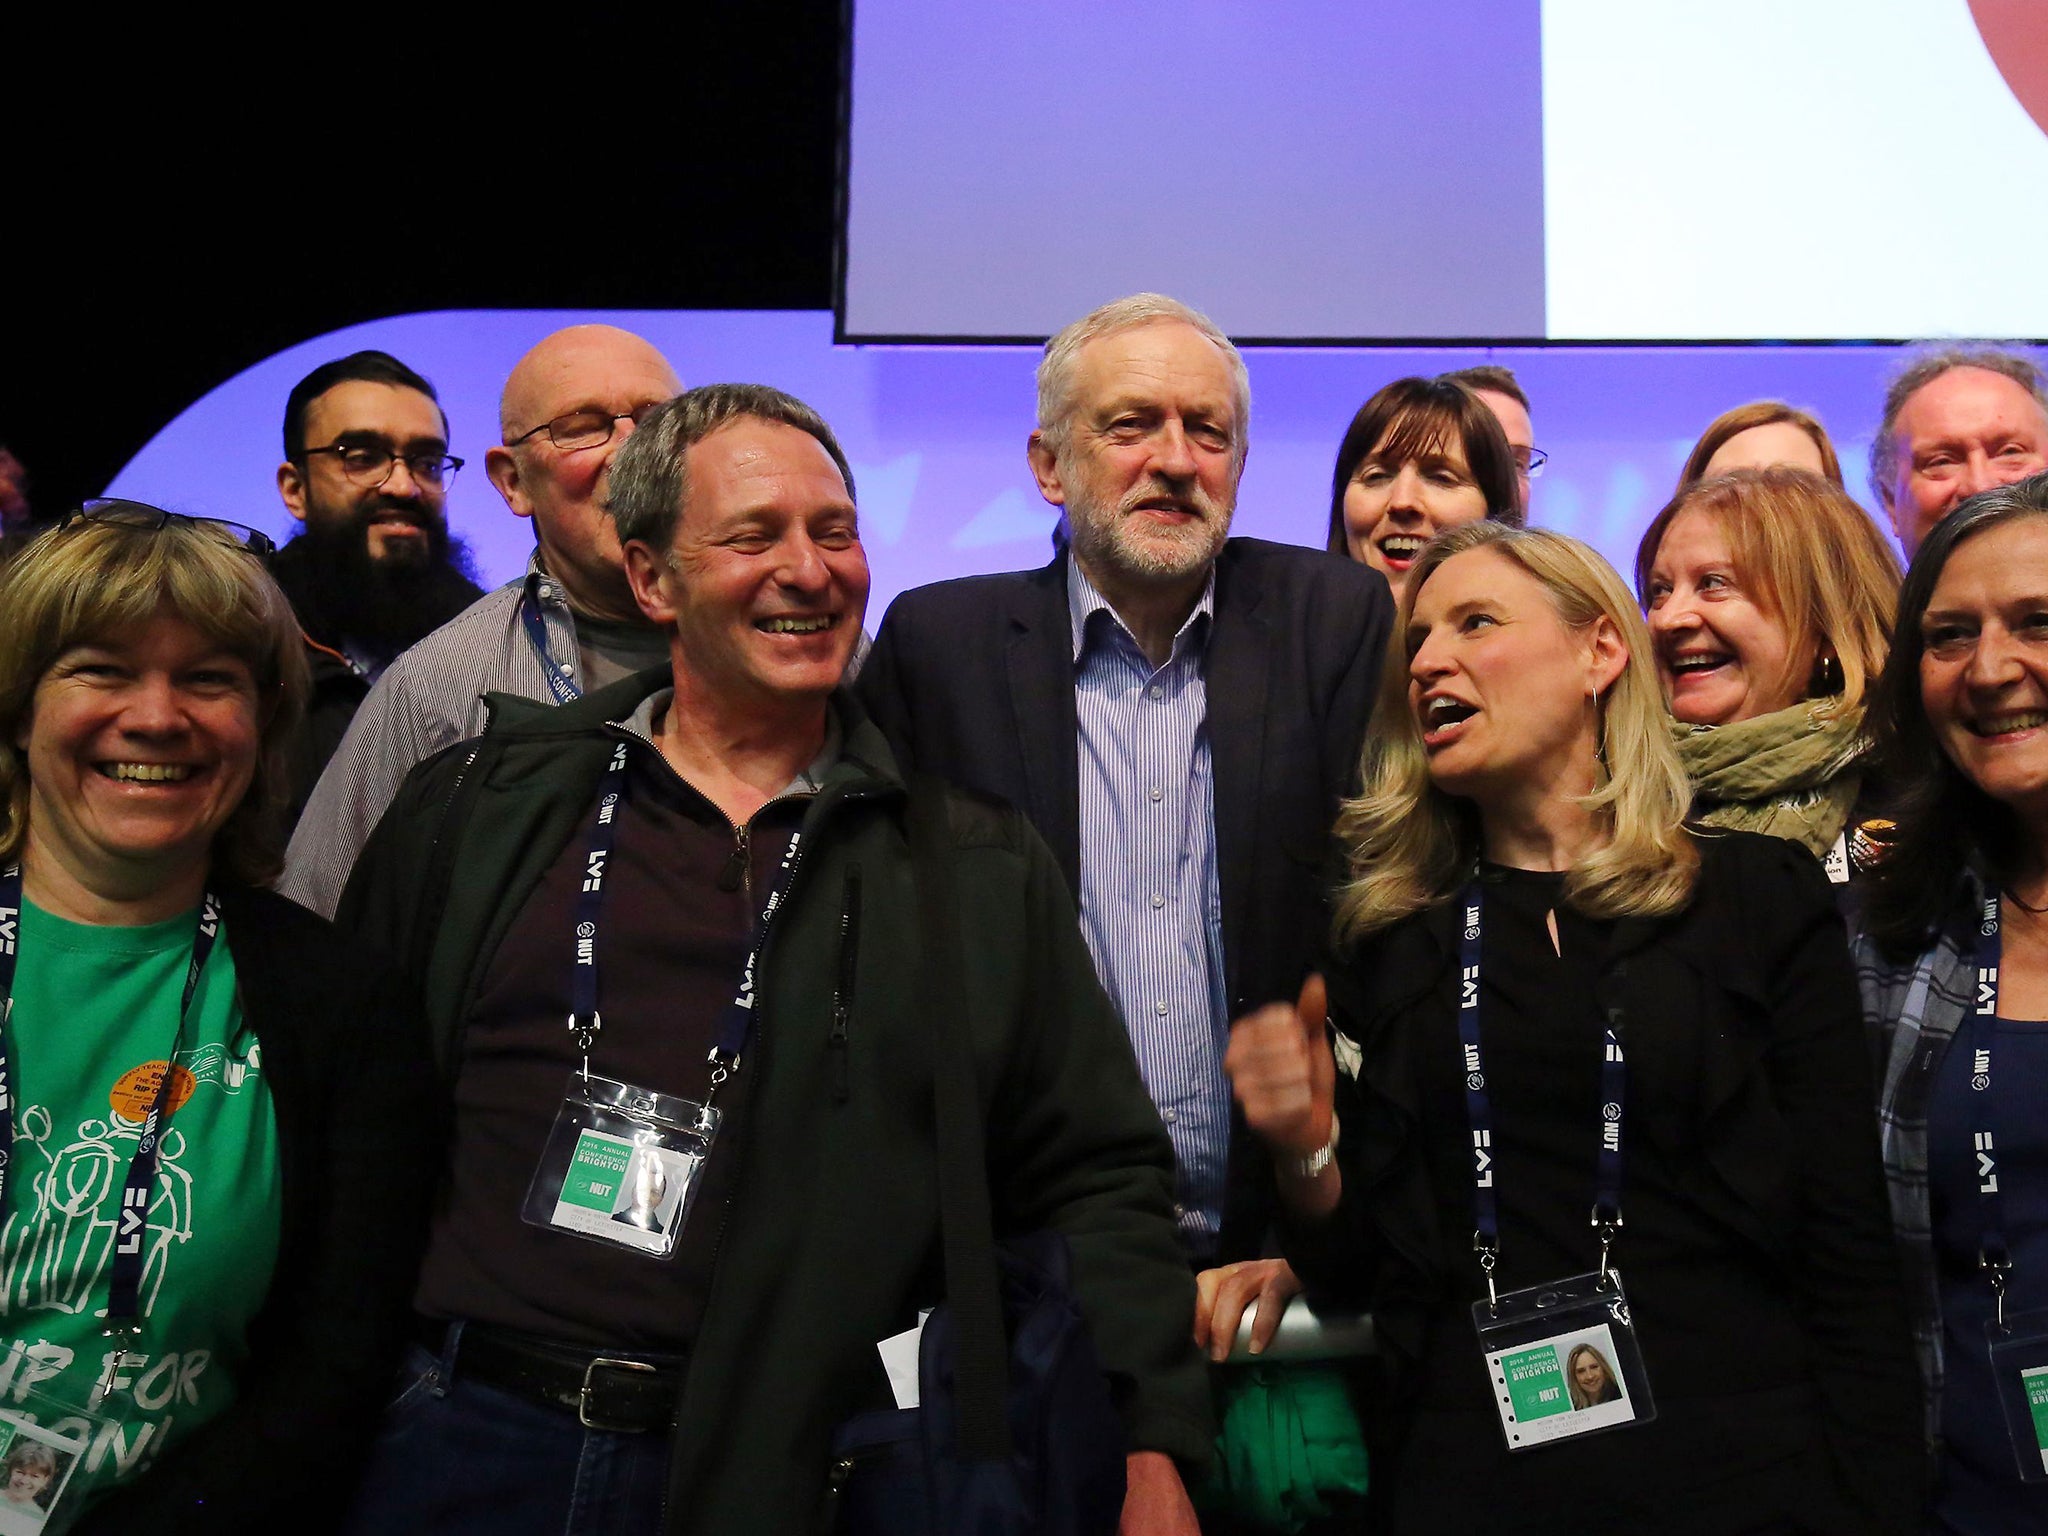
pixel 57 1253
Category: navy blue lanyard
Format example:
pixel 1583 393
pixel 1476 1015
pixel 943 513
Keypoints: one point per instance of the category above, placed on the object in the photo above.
pixel 736 1022
pixel 1993 1257
pixel 124 1289
pixel 1479 1106
pixel 560 682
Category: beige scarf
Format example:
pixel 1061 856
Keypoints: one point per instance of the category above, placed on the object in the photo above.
pixel 1792 774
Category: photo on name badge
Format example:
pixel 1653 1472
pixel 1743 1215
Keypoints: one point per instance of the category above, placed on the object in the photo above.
pixel 35 1464
pixel 652 1190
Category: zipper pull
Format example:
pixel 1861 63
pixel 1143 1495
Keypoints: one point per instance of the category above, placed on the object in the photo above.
pixel 735 870
pixel 842 992
pixel 842 1086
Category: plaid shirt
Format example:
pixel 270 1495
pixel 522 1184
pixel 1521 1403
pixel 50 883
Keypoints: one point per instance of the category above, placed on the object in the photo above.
pixel 1912 1011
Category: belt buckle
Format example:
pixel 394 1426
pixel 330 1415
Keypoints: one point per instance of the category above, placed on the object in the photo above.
pixel 583 1397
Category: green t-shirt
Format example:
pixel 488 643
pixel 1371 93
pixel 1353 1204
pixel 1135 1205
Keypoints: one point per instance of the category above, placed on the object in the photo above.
pixel 95 1011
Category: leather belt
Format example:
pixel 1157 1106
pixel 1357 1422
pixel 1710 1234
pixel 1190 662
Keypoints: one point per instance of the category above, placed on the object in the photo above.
pixel 626 1394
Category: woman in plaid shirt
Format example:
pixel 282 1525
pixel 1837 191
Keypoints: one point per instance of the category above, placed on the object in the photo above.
pixel 1953 952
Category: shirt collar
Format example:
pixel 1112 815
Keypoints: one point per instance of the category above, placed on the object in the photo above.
pixel 543 588
pixel 646 718
pixel 1084 602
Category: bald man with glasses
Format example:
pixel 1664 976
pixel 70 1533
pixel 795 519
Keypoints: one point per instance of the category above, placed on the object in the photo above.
pixel 567 627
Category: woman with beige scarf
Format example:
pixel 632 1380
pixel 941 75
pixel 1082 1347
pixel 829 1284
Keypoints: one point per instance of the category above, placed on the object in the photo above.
pixel 1770 597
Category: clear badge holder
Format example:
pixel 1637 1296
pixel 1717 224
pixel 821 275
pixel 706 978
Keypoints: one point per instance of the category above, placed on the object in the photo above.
pixel 1562 1360
pixel 42 1444
pixel 621 1166
pixel 2019 1367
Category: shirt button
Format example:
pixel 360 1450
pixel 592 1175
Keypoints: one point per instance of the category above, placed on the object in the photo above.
pixel 1154 692
pixel 1158 902
pixel 1171 1117
pixel 545 590
pixel 1160 1009
pixel 1156 792
pixel 567 669
pixel 1179 1210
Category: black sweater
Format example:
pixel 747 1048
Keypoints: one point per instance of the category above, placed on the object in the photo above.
pixel 1758 1251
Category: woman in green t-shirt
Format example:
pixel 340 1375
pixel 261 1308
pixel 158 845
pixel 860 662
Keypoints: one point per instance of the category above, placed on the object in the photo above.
pixel 208 1102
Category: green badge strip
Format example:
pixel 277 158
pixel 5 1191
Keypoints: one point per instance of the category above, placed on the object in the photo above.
pixel 2036 1383
pixel 1535 1382
pixel 595 1171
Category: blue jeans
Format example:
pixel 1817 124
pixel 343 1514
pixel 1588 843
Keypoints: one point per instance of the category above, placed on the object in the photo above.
pixel 456 1458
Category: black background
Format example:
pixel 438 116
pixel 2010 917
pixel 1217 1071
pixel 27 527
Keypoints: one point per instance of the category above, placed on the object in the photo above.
pixel 169 218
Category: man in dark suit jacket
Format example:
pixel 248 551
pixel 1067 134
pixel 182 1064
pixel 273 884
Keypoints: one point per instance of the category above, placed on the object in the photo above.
pixel 1155 670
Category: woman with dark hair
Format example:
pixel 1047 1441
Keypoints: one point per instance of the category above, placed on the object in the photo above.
pixel 1421 455
pixel 183 1046
pixel 1769 595
pixel 1567 1002
pixel 1761 435
pixel 1953 961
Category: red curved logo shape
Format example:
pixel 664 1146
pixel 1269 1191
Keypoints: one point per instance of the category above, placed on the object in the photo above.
pixel 2016 32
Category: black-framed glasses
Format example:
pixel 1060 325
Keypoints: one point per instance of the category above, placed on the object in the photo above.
pixel 369 464
pixel 140 514
pixel 1530 461
pixel 589 428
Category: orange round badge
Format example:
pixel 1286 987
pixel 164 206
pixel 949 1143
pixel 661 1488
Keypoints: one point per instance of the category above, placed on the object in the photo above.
pixel 135 1090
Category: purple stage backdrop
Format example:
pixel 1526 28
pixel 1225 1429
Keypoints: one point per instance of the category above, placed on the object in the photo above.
pixel 936 434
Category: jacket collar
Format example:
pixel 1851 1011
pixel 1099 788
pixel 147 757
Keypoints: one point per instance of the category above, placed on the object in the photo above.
pixel 863 752
pixel 1038 659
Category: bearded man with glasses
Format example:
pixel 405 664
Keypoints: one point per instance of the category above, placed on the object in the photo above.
pixel 567 627
pixel 366 470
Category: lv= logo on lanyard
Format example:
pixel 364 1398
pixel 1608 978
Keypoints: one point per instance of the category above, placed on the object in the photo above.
pixel 2017 1342
pixel 623 1163
pixel 1561 1358
pixel 124 1319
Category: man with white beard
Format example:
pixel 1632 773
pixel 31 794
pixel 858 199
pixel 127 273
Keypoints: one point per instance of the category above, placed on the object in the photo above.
pixel 1178 713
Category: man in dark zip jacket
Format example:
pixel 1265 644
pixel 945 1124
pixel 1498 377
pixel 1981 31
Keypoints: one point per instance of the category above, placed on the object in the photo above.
pixel 626 1323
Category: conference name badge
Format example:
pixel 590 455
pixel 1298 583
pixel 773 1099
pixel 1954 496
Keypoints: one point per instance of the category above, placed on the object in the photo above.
pixel 1562 1361
pixel 42 1443
pixel 622 1165
pixel 2019 1370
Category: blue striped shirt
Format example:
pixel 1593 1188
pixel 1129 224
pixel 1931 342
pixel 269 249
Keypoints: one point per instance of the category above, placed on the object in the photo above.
pixel 1149 904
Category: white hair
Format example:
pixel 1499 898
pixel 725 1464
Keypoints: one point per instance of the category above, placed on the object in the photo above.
pixel 1056 369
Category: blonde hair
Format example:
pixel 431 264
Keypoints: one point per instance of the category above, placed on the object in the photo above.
pixel 1812 557
pixel 1410 844
pixel 96 580
pixel 1579 1397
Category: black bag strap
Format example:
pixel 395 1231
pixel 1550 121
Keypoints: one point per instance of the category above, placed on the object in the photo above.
pixel 982 1367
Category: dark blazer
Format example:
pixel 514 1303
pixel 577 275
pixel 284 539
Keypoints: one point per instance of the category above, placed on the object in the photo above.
pixel 1747 1059
pixel 974 680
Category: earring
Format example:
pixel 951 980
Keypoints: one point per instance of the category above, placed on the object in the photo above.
pixel 1827 676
